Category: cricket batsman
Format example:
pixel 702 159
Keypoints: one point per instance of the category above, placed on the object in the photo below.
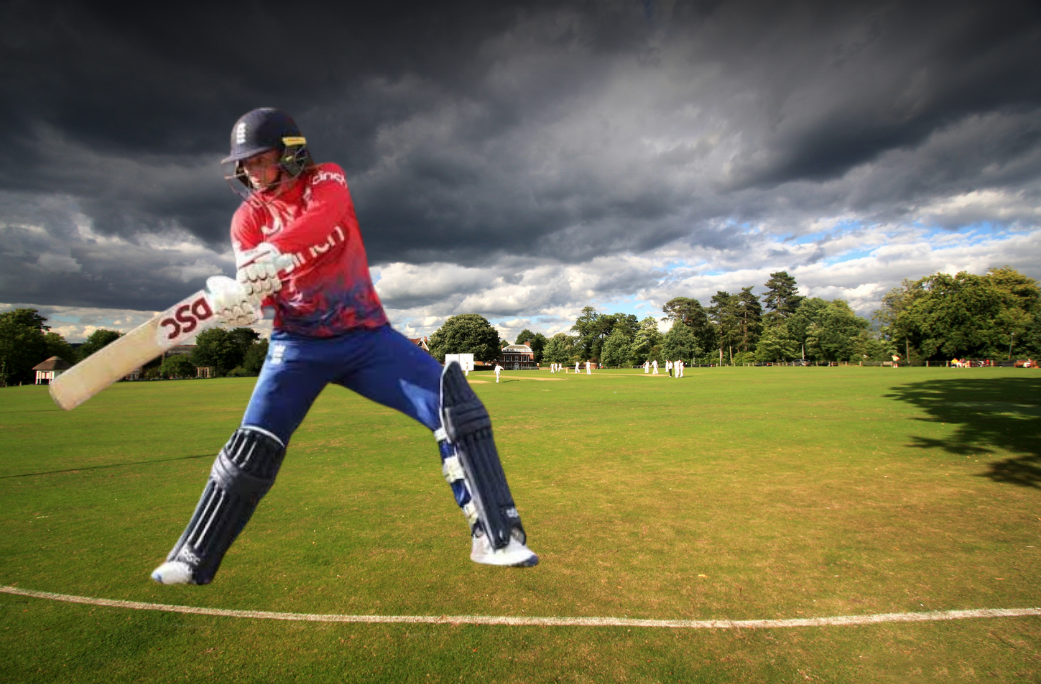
pixel 329 327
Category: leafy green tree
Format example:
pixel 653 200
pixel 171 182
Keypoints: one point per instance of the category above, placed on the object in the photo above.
pixel 830 331
pixel 560 348
pixel 781 297
pixel 594 329
pixel 217 348
pixel 811 344
pixel 1017 290
pixel 776 344
pixel 798 323
pixel 680 344
pixel 57 346
pixel 657 354
pixel 98 339
pixel 955 316
pixel 893 302
pixel 869 347
pixel 742 358
pixel 1029 345
pixel 586 330
pixel 1021 300
pixel 749 320
pixel 694 316
pixel 1013 321
pixel 916 327
pixel 647 339
pixel 725 314
pixel 616 348
pixel 893 323
pixel 152 369
pixel 840 328
pixel 23 344
pixel 244 338
pixel 466 334
pixel 177 366
pixel 685 310
pixel 27 318
pixel 538 345
pixel 942 316
pixel 253 361
pixel 627 324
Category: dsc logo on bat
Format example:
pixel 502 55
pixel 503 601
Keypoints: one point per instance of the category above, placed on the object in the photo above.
pixel 182 320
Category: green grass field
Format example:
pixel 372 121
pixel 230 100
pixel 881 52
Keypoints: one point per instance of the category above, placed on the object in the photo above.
pixel 731 494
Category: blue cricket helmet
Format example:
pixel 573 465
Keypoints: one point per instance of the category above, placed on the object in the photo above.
pixel 263 130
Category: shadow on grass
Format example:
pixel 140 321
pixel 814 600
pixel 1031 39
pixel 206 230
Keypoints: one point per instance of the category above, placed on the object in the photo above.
pixel 105 467
pixel 991 413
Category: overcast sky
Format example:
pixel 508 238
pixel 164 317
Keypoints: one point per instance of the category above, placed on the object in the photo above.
pixel 522 161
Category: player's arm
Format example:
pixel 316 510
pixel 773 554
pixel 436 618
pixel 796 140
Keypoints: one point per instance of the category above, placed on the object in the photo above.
pixel 328 207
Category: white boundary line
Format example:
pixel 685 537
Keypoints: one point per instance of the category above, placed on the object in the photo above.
pixel 538 621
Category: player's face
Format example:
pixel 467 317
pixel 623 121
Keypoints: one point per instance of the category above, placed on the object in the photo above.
pixel 262 170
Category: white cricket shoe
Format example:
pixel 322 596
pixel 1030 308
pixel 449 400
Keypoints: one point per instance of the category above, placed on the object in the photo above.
pixel 515 554
pixel 173 572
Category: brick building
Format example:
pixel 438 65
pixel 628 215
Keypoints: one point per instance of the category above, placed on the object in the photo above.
pixel 518 357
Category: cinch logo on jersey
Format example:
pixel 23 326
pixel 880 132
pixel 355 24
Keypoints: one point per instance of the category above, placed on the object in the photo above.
pixel 328 176
pixel 181 320
pixel 335 238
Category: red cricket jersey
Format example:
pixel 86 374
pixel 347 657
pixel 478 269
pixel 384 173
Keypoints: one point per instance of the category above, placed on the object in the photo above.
pixel 329 290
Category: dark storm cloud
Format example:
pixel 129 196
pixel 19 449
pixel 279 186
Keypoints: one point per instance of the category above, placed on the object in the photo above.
pixel 556 131
pixel 914 69
pixel 46 259
pixel 154 87
pixel 164 79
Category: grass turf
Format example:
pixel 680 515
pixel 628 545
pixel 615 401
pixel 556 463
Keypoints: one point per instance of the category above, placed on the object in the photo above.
pixel 733 493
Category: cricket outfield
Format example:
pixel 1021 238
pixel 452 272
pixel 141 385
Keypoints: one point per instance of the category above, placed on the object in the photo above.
pixel 738 524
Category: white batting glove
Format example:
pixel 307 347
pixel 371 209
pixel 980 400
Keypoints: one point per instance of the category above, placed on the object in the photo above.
pixel 258 270
pixel 230 302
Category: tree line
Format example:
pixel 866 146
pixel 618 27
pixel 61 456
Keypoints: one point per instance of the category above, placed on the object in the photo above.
pixel 936 318
pixel 734 329
pixel 26 340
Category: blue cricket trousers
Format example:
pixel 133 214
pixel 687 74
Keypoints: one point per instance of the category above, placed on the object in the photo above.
pixel 380 364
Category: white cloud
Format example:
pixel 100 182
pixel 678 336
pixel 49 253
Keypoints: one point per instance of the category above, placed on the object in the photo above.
pixel 862 265
pixel 979 206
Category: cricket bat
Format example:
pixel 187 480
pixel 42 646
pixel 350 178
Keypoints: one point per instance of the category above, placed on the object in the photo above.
pixel 183 320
